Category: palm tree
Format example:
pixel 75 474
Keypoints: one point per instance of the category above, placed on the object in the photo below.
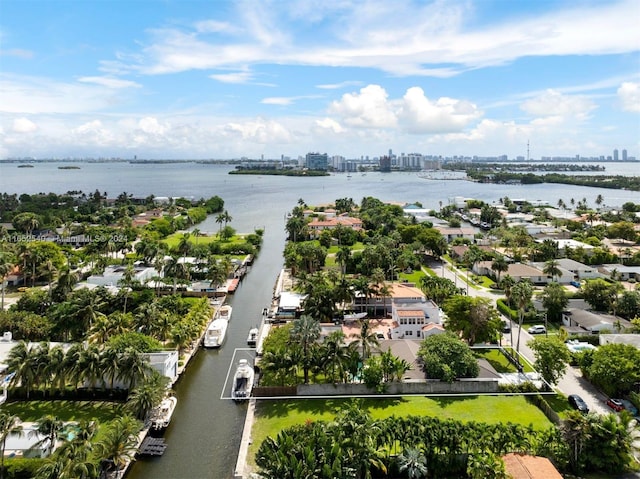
pixel 22 362
pixel 8 425
pixel 413 462
pixel 305 333
pixel 342 257
pixel 50 428
pixel 551 269
pixel 499 265
pixel 147 395
pixel 367 338
pixel 6 266
pixel 134 367
pixel 522 293
pixel 118 444
pixel 67 279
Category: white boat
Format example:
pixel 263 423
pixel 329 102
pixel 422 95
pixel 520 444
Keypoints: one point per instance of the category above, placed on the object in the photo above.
pixel 354 317
pixel 161 415
pixel 252 339
pixel 242 381
pixel 216 332
pixel 225 312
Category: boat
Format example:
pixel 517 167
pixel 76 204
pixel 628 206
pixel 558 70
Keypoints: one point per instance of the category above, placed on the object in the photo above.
pixel 161 415
pixel 252 339
pixel 354 317
pixel 242 381
pixel 216 332
pixel 225 312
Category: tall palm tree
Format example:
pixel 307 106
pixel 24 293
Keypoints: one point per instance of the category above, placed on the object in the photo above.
pixel 147 395
pixel 499 265
pixel 118 444
pixel 6 266
pixel 9 425
pixel 522 293
pixel 367 338
pixel 134 367
pixel 305 332
pixel 22 362
pixel 342 257
pixel 49 427
pixel 551 268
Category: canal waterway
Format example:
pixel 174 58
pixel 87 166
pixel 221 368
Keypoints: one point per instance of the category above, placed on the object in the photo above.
pixel 205 432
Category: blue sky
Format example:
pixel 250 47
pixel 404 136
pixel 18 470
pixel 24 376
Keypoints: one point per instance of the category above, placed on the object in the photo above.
pixel 198 79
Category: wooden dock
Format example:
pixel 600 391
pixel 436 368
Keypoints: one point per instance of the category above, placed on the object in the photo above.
pixel 152 446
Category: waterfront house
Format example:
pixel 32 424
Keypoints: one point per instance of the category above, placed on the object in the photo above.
pixel 317 225
pixel 112 275
pixel 594 323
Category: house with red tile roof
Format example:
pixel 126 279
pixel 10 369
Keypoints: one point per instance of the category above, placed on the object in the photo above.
pixel 317 225
pixel 522 466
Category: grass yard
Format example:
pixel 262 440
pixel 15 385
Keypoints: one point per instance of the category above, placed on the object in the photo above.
pixel 412 277
pixel 172 240
pixel 273 416
pixel 29 411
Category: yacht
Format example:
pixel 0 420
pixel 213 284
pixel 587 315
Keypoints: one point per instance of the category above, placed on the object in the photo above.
pixel 225 312
pixel 161 415
pixel 252 339
pixel 242 381
pixel 216 332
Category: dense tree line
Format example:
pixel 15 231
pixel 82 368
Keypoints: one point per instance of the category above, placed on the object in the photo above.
pixel 354 445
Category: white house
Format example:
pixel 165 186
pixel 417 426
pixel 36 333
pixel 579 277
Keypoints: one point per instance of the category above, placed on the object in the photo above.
pixel 592 322
pixel 112 275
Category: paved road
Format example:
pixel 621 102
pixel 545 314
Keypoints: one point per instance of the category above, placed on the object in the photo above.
pixel 571 383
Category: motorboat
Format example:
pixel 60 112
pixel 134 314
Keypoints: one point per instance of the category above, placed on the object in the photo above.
pixel 161 415
pixel 252 339
pixel 242 381
pixel 216 332
pixel 225 312
pixel 354 317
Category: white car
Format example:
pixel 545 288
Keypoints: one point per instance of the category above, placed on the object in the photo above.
pixel 537 329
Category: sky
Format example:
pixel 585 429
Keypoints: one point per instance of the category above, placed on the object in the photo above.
pixel 196 79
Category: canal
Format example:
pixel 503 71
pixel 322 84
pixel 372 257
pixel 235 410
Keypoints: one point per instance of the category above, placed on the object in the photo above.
pixel 204 435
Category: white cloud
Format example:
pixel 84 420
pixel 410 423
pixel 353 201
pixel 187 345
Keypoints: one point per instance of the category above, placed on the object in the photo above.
pixel 17 52
pixel 369 108
pixel 259 130
pixel 237 77
pixel 337 86
pixel 414 113
pixel 328 125
pixel 629 96
pixel 152 126
pixel 31 95
pixel 418 114
pixel 359 35
pixel 553 103
pixel 23 125
pixel 110 82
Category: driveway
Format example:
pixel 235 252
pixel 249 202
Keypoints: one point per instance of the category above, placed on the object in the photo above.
pixel 571 383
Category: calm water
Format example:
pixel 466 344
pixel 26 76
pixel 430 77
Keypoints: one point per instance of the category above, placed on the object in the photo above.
pixel 204 436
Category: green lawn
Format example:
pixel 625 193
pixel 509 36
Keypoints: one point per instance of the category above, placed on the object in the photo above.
pixel 413 277
pixel 172 240
pixel 273 416
pixel 30 411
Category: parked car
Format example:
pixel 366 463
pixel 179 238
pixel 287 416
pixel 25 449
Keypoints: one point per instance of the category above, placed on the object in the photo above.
pixel 506 326
pixel 615 404
pixel 578 403
pixel 537 329
pixel 575 283
pixel 628 405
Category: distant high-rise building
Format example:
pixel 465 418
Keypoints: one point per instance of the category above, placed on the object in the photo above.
pixel 624 155
pixel 385 163
pixel 615 155
pixel 317 161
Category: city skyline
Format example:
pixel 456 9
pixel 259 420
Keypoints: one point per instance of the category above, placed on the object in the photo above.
pixel 199 80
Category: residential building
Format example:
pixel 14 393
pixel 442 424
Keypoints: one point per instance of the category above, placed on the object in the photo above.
pixel 590 322
pixel 317 161
pixel 316 226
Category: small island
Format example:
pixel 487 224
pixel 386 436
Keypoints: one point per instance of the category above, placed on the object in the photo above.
pixel 25 166
pixel 68 167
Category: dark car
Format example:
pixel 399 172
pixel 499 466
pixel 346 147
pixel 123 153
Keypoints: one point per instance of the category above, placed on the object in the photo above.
pixel 506 326
pixel 615 404
pixel 578 403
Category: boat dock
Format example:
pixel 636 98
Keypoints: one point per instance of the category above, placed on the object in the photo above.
pixel 152 446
